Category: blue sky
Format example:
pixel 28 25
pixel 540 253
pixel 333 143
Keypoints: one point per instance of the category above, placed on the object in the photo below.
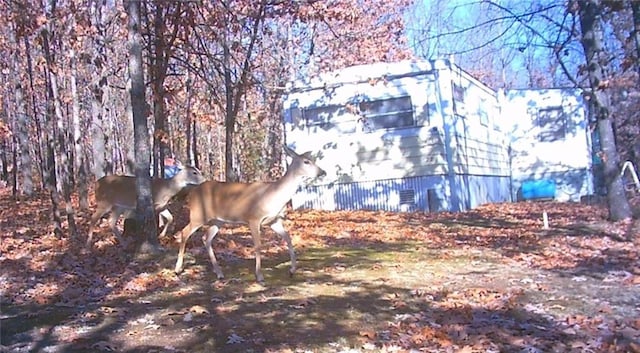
pixel 510 38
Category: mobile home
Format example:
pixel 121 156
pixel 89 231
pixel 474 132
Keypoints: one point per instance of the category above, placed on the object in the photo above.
pixel 550 141
pixel 411 135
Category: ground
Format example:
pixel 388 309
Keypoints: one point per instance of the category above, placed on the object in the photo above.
pixel 487 280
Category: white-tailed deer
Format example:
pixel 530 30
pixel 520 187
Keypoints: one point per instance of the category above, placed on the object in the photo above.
pixel 117 193
pixel 214 203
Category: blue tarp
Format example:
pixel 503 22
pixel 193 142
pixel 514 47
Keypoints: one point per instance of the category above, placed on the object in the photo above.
pixel 539 189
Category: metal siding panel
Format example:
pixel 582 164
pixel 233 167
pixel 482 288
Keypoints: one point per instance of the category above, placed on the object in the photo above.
pixel 373 195
pixel 384 194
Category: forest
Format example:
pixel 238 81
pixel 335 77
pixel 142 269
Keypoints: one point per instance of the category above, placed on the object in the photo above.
pixel 213 76
pixel 95 88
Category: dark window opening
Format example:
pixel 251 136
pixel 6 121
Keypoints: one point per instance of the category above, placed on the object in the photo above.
pixel 458 93
pixel 328 118
pixel 387 113
pixel 458 99
pixel 552 124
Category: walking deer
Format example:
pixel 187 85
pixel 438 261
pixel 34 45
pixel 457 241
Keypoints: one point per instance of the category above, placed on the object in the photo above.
pixel 211 204
pixel 117 193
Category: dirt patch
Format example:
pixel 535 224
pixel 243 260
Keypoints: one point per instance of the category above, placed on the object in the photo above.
pixel 487 280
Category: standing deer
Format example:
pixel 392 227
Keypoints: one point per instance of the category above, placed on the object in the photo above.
pixel 117 193
pixel 212 204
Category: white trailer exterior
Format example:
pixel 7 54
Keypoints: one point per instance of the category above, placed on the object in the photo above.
pixel 550 139
pixel 411 135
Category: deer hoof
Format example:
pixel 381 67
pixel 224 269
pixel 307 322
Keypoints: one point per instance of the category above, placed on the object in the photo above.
pixel 218 272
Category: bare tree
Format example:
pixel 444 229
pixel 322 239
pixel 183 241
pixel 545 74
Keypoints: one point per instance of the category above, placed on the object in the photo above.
pixel 80 168
pixel 190 124
pixel 635 8
pixel 494 44
pixel 145 214
pixel 166 24
pixel 596 60
pixel 236 87
pixel 59 166
pixel 22 125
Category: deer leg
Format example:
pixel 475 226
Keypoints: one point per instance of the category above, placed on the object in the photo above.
pixel 160 220
pixel 95 220
pixel 116 213
pixel 211 233
pixel 113 221
pixel 164 214
pixel 257 244
pixel 279 228
pixel 184 236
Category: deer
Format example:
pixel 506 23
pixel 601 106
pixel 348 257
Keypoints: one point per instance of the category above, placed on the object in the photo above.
pixel 212 204
pixel 116 193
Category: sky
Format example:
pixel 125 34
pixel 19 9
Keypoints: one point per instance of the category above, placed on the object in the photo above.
pixel 510 38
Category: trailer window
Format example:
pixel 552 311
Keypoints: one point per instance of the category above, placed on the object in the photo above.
pixel 329 118
pixel 387 113
pixel 552 124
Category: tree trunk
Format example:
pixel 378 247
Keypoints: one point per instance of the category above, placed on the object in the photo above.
pixel 158 75
pixel 22 120
pixel 79 173
pixel 14 162
pixel 616 197
pixel 635 10
pixel 51 180
pixel 191 128
pixel 122 161
pixel 99 95
pixel 4 151
pixel 62 165
pixel 230 116
pixel 98 139
pixel 275 138
pixel 160 135
pixel 230 173
pixel 596 60
pixel 235 91
pixel 39 150
pixel 163 43
pixel 146 219
pixel 14 174
pixel 63 174
pixel 193 150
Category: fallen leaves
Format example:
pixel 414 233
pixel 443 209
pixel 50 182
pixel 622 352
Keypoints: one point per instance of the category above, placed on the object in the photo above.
pixel 104 346
pixel 303 303
pixel 37 267
pixel 234 339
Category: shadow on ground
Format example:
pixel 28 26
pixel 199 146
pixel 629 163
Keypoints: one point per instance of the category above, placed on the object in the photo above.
pixel 483 279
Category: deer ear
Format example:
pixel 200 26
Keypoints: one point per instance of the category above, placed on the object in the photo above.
pixel 306 155
pixel 291 153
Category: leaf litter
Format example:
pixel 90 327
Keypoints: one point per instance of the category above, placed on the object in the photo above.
pixel 489 279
